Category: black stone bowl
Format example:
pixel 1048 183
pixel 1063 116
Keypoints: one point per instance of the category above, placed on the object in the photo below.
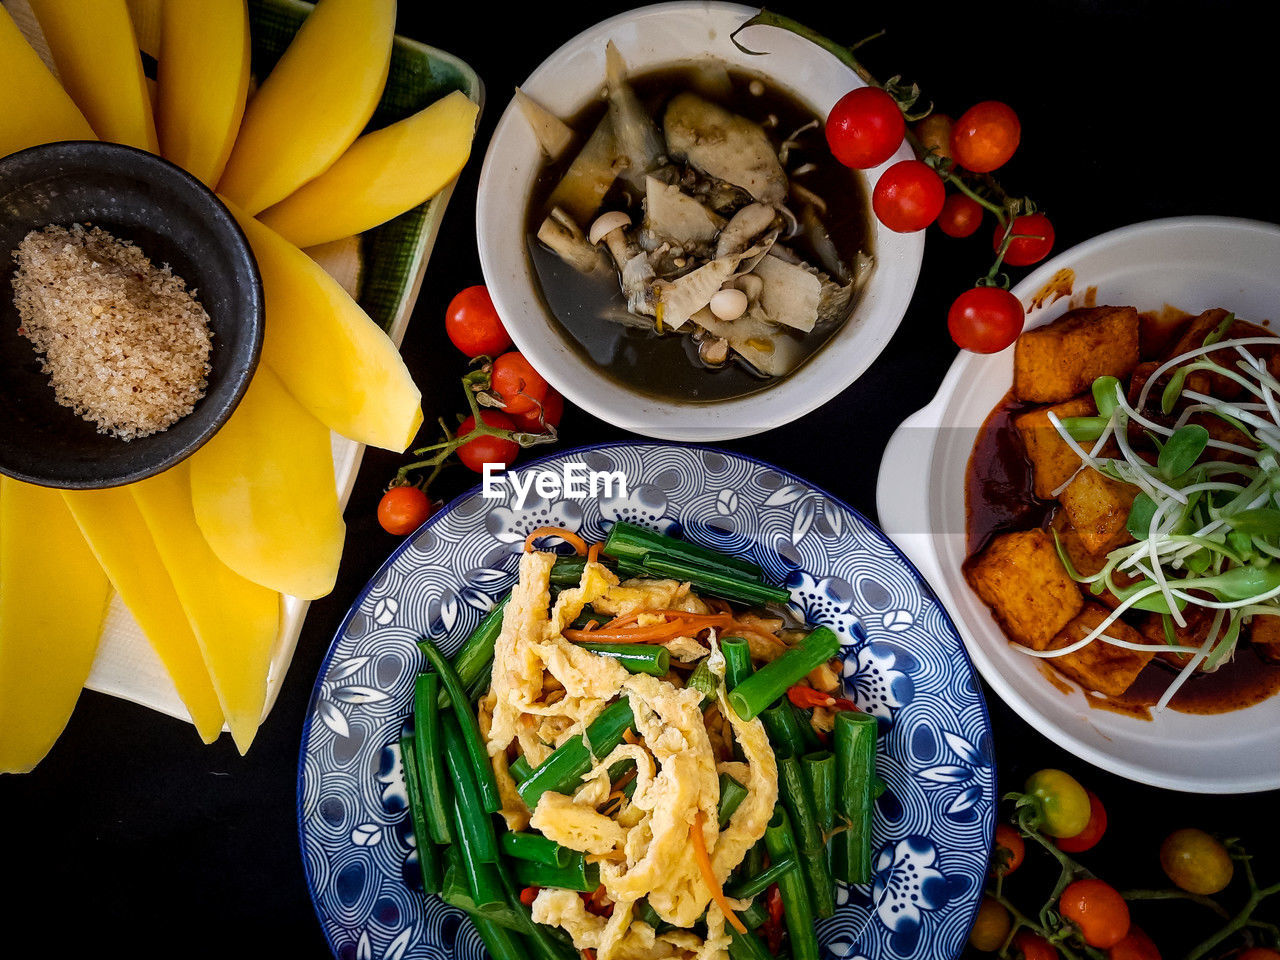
pixel 173 219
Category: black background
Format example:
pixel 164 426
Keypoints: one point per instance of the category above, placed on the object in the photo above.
pixel 133 838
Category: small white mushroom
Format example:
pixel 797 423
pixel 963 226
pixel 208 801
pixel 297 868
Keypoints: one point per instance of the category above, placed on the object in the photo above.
pixel 729 304
pixel 750 284
pixel 606 223
pixel 714 353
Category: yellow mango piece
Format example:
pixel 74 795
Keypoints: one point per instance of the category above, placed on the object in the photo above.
pixel 203 76
pixel 314 103
pixel 234 619
pixel 147 17
pixel 116 533
pixel 264 493
pixel 337 362
pixel 384 174
pixel 53 596
pixel 96 51
pixel 34 109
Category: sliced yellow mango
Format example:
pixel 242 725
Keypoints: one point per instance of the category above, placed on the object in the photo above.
pixel 234 619
pixel 34 109
pixel 203 76
pixel 147 17
pixel 96 51
pixel 384 174
pixel 116 533
pixel 314 103
pixel 53 596
pixel 264 493
pixel 338 363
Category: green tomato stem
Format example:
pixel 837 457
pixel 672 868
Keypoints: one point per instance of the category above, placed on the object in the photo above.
pixel 1207 902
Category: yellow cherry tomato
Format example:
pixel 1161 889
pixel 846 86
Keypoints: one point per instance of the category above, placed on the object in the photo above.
pixel 1196 862
pixel 1064 804
pixel 990 927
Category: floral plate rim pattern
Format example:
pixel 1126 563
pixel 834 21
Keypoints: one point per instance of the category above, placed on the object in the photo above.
pixel 904 663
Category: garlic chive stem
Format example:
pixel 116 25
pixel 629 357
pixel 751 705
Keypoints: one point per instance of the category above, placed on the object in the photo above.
pixel 1145 480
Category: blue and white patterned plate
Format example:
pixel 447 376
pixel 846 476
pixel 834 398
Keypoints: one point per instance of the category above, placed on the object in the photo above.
pixel 904 663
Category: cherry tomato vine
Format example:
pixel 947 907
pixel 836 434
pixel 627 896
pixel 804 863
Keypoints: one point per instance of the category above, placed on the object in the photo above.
pixel 1083 915
pixel 510 407
pixel 949 183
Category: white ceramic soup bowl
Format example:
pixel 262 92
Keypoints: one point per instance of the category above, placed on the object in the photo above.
pixel 649 38
pixel 1193 263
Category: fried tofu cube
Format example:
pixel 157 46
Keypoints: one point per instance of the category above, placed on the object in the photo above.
pixel 1029 591
pixel 1052 460
pixel 1098 507
pixel 1264 633
pixel 1200 327
pixel 1061 359
pixel 1087 563
pixel 1100 666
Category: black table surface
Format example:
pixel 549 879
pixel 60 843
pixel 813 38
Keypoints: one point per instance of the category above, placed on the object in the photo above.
pixel 133 837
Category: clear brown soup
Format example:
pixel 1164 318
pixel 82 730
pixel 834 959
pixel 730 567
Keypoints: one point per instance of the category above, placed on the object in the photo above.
pixel 667 366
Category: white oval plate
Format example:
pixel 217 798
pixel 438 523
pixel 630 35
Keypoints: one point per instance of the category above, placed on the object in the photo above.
pixel 647 38
pixel 1193 263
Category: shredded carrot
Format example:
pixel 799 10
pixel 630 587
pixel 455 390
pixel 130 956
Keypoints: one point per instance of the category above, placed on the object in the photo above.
pixel 629 736
pixel 568 536
pixel 709 875
pixel 593 552
pixel 683 625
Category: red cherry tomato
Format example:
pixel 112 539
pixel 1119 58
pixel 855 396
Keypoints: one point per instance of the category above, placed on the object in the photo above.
pixel 1009 850
pixel 484 449
pixel 985 136
pixel 908 196
pixel 1259 953
pixel 1136 945
pixel 1030 241
pixel 985 319
pixel 1034 946
pixel 1097 909
pixel 552 411
pixel 1087 838
pixel 473 324
pixel 865 128
pixel 403 509
pixel 519 385
pixel 961 216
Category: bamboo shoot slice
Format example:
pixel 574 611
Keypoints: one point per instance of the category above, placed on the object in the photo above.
pixel 384 174
pixel 234 619
pixel 203 78
pixel 331 356
pixel 96 51
pixel 114 529
pixel 34 109
pixel 53 596
pixel 314 104
pixel 264 493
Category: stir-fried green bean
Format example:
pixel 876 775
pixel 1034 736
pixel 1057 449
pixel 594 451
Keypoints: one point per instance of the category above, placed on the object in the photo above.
pixel 536 848
pixel 627 541
pixel 747 946
pixel 437 794
pixel 473 661
pixel 737 660
pixel 797 910
pixel 579 875
pixel 755 885
pixel 797 797
pixel 471 819
pixel 732 793
pixel 771 681
pixel 564 769
pixel 467 724
pixel 647 658
pixel 820 768
pixel 428 862
pixel 855 750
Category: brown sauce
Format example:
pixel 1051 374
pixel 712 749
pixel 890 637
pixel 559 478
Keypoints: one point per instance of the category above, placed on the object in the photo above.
pixel 999 498
pixel 667 366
